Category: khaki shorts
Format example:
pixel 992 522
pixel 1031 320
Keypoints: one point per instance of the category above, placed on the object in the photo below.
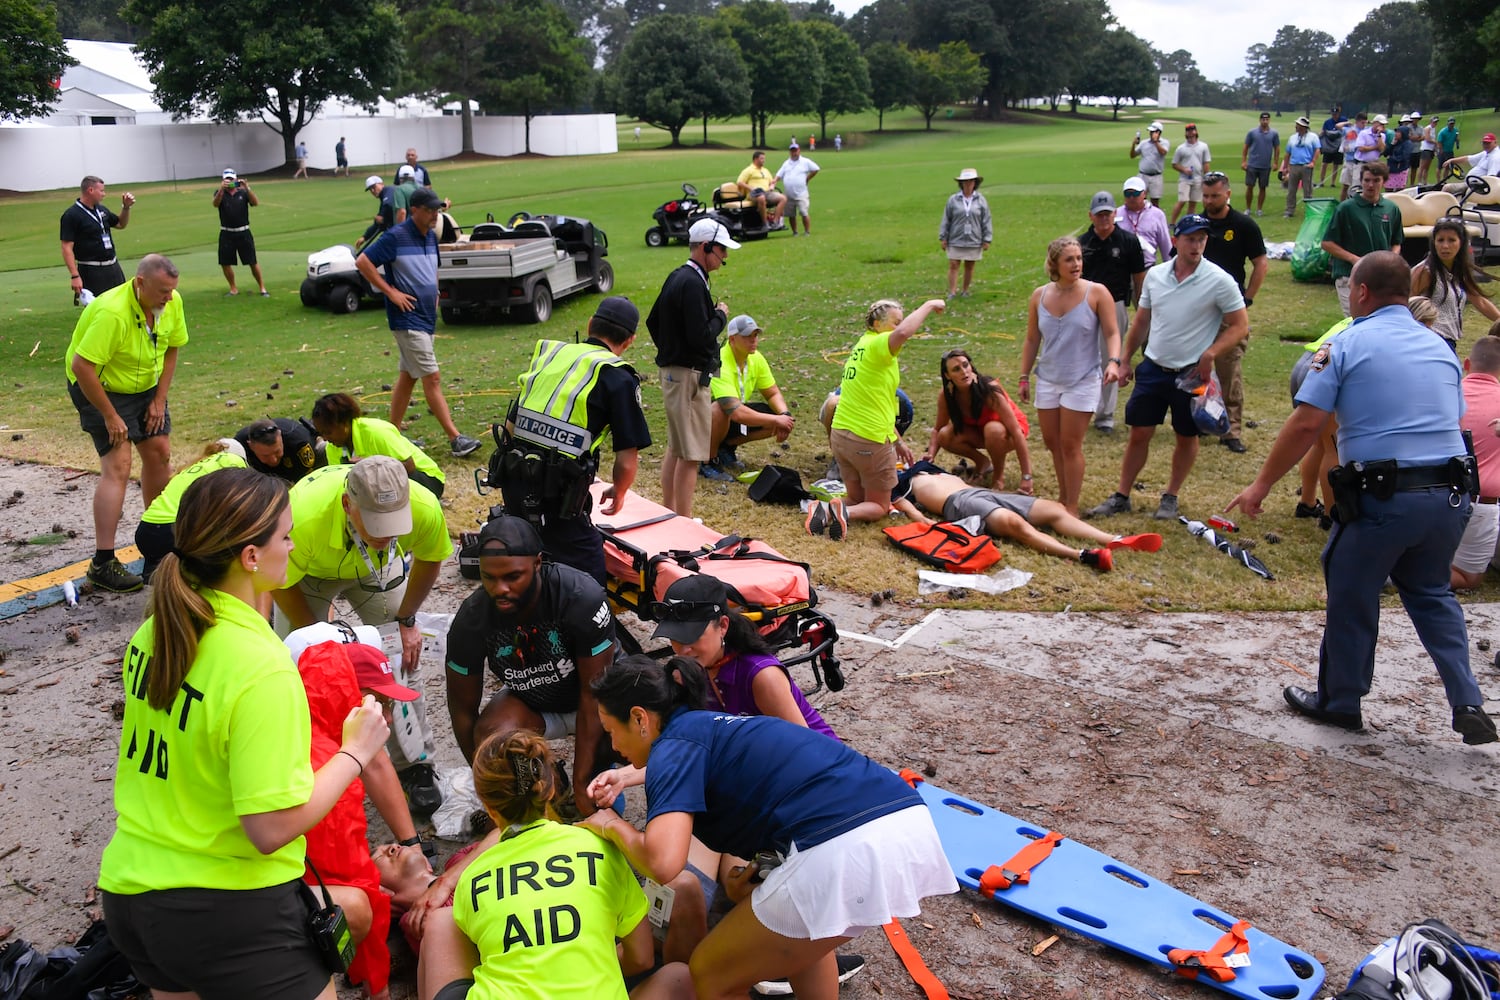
pixel 690 413
pixel 799 204
pixel 1190 190
pixel 869 468
pixel 1153 185
pixel 417 357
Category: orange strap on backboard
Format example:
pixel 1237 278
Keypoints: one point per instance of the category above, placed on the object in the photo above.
pixel 1211 962
pixel 912 959
pixel 1017 871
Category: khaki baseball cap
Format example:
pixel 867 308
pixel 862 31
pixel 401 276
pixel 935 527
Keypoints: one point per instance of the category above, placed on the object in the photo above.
pixel 379 487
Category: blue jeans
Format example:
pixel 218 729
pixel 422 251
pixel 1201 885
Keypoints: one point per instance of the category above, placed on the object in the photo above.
pixel 1409 538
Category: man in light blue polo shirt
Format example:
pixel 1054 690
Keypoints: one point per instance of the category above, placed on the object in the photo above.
pixel 1402 500
pixel 1193 312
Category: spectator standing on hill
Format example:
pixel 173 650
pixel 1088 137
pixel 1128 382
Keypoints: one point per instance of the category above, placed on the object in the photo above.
pixel 234 199
pixel 1398 154
pixel 340 158
pixel 795 176
pixel 1447 140
pixel 88 250
pixel 1402 496
pixel 120 364
pixel 1361 224
pixel 408 256
pixel 1191 160
pixel 966 230
pixel 1147 222
pixel 1332 138
pixel 685 324
pixel 1427 150
pixel 1116 259
pixel 1258 159
pixel 1192 313
pixel 1153 156
pixel 1233 239
pixel 1369 145
pixel 301 161
pixel 1301 162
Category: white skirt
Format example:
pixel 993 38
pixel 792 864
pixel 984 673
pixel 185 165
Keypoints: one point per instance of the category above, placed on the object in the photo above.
pixel 858 880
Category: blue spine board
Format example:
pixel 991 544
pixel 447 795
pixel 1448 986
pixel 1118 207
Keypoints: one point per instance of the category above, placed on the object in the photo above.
pixel 1107 901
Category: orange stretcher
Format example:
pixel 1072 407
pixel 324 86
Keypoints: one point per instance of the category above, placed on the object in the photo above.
pixel 647 548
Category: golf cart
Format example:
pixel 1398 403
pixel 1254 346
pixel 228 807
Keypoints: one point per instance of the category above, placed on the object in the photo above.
pixel 333 281
pixel 740 215
pixel 675 218
pixel 523 267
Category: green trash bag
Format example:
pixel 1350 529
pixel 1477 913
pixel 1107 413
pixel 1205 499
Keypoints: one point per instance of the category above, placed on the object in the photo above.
pixel 1309 259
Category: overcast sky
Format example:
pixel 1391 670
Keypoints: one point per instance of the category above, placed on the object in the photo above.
pixel 1186 24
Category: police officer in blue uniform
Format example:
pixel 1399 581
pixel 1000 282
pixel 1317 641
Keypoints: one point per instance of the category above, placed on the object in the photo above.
pixel 571 394
pixel 1403 497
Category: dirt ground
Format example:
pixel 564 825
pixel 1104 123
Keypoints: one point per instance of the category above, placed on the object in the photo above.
pixel 1158 738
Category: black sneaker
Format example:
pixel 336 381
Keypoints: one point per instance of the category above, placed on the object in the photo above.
pixel 422 792
pixel 1471 722
pixel 113 576
pixel 1314 509
pixel 1117 503
pixel 729 459
pixel 464 445
pixel 849 967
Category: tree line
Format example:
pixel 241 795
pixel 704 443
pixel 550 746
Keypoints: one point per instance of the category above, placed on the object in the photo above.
pixel 673 63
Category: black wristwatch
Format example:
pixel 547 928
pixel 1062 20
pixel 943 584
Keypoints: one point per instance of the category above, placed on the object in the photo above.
pixel 410 841
pixel 1249 302
pixel 1115 361
pixel 410 621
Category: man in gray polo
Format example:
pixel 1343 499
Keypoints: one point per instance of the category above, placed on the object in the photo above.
pixel 1193 313
pixel 1258 159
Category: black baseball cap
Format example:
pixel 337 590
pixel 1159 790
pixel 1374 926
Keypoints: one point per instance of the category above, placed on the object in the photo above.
pixel 620 311
pixel 423 198
pixel 688 606
pixel 509 536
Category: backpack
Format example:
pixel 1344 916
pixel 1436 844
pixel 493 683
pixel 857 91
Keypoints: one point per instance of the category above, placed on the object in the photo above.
pixel 946 546
pixel 778 484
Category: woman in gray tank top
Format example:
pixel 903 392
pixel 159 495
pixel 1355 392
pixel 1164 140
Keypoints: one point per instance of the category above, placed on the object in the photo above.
pixel 1064 321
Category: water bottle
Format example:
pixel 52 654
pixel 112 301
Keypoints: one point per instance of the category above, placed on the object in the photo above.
pixel 1222 523
pixel 70 593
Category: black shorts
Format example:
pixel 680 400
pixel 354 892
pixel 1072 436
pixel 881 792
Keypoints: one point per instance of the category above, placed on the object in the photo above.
pixel 131 406
pixel 154 541
pixel 1334 159
pixel 575 542
pixel 456 990
pixel 241 244
pixel 1155 393
pixel 1257 176
pixel 1428 154
pixel 100 278
pixel 222 944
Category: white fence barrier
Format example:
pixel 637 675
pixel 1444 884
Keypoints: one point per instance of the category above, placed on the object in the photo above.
pixel 42 159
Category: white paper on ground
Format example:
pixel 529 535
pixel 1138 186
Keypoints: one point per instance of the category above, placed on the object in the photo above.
pixel 930 581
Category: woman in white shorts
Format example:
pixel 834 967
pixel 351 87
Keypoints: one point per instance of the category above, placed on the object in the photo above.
pixel 1064 321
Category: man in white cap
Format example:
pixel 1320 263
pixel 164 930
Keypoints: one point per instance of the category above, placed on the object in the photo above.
pixel 1299 164
pixel 385 215
pixel 743 371
pixel 354 527
pixel 685 324
pixel 1369 145
pixel 1144 219
pixel 1153 155
pixel 795 174
pixel 406 186
pixel 234 199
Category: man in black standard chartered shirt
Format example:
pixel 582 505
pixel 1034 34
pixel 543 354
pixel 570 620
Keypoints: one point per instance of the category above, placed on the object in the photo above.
pixel 1233 239
pixel 1114 258
pixel 544 630
pixel 685 325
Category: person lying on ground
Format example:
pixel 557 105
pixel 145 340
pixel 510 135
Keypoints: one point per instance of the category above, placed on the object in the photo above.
pixel 976 420
pixel 557 939
pixel 925 489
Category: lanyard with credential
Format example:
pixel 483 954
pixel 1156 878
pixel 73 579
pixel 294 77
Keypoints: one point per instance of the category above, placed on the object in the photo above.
pixel 378 575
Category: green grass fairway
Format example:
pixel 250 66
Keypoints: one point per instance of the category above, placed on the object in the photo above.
pixel 876 207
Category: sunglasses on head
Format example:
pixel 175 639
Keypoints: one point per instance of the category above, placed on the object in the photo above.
pixel 1215 176
pixel 686 611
